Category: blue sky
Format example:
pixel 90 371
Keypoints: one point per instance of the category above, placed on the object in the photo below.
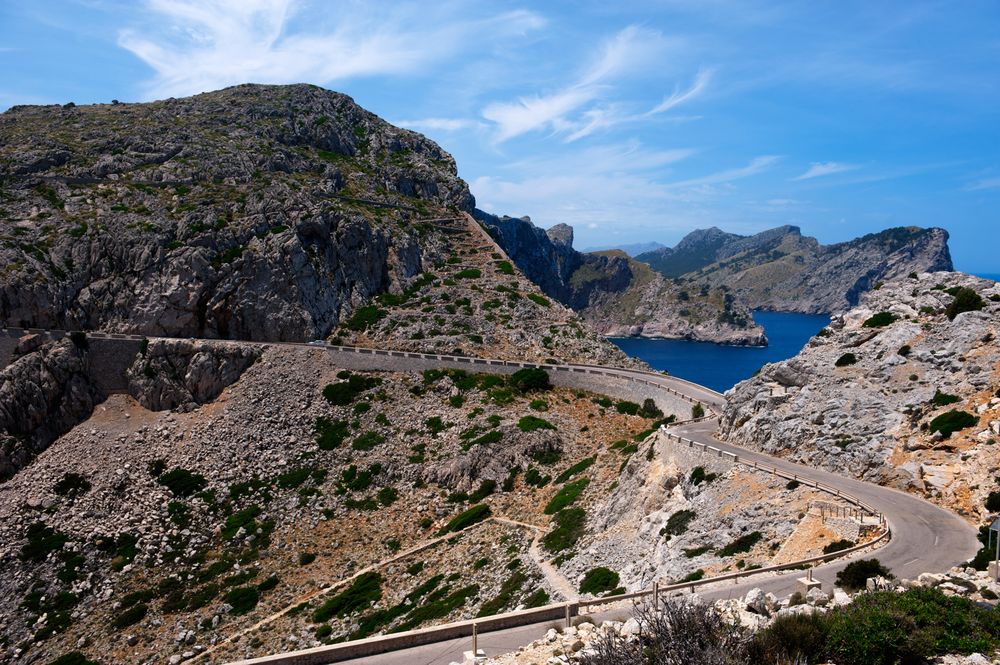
pixel 632 121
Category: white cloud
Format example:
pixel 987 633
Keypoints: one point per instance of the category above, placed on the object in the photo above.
pixel 568 111
pixel 819 169
pixel 678 97
pixel 439 124
pixel 199 45
pixel 756 165
pixel 984 183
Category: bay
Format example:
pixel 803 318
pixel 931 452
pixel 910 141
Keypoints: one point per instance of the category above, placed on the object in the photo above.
pixel 721 367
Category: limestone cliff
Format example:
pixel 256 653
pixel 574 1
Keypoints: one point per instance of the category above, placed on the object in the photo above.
pixel 780 269
pixel 902 389
pixel 618 295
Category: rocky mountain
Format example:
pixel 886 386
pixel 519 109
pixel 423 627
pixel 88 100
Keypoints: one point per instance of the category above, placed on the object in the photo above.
pixel 617 295
pixel 632 249
pixel 255 212
pixel 903 389
pixel 780 269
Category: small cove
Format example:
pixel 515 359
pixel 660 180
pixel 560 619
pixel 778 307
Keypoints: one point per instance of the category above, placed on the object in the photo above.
pixel 721 367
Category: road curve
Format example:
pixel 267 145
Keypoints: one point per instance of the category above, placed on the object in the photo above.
pixel 925 537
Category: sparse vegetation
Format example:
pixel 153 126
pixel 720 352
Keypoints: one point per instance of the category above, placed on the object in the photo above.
pixel 880 320
pixel 952 421
pixel 744 543
pixel 566 496
pixel 845 360
pixel 182 482
pixel 599 580
pixel 856 574
pixel 465 519
pixel 677 524
pixel 966 300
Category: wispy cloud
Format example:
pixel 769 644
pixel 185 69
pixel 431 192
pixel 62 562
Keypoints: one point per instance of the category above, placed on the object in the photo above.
pixel 200 45
pixel 439 124
pixel 679 97
pixel 820 169
pixel 578 110
pixel 756 165
pixel 984 183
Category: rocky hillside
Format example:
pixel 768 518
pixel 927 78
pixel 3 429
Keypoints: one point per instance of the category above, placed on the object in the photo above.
pixel 783 270
pixel 255 212
pixel 616 294
pixel 141 535
pixel 900 390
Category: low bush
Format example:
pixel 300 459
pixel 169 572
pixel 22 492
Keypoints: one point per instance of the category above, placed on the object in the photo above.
pixel 599 580
pixel 330 433
pixel 966 300
pixel 72 484
pixel 129 617
pixel 566 496
pixel 367 441
pixel 649 409
pixel 699 476
pixel 530 379
pixel 952 421
pixel 698 411
pixel 744 543
pixel 944 399
pixel 182 482
pixel 855 575
pixel 880 320
pixel 539 300
pixel 579 467
pixel 904 350
pixel 532 423
pixel 838 546
pixel 305 558
pixel 242 599
pixel 845 360
pixel 365 317
pixel 465 519
pixel 73 658
pixel 677 523
pixel 343 393
pixel 42 540
pixel 568 530
pixel 469 273
pixel 365 590
pixel 387 496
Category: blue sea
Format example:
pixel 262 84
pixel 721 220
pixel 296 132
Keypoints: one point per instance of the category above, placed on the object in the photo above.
pixel 721 367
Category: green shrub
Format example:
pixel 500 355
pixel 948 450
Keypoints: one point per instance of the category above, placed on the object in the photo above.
pixel 73 658
pixel 532 423
pixel 182 482
pixel 505 596
pixel 530 379
pixel 539 405
pixel 567 495
pixel 952 421
pixel 568 530
pixel 539 300
pixel 692 577
pixel 486 488
pixel 944 399
pixel 245 519
pixel 129 617
pixel 649 409
pixel 435 425
pixel 838 546
pixel 305 558
pixel 793 638
pixel 579 467
pixel 698 411
pixel 845 360
pixel 365 317
pixel 546 457
pixel 904 350
pixel 387 496
pixel 72 484
pixel 243 599
pixel 880 320
pixel 469 273
pixel 677 523
pixel 294 477
pixel 538 598
pixel 598 580
pixel 535 478
pixel 367 441
pixel 699 476
pixel 465 519
pixel 966 300
pixel 993 502
pixel 343 393
pixel 792 485
pixel 505 267
pixel 42 540
pixel 626 407
pixel 268 584
pixel 365 590
pixel 856 574
pixel 742 544
pixel 330 433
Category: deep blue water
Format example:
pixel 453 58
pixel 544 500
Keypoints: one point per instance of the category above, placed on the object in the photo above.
pixel 995 276
pixel 721 367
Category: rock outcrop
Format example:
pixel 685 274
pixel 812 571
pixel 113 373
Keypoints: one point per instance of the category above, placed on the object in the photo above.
pixel 780 269
pixel 618 295
pixel 178 373
pixel 255 212
pixel 864 397
pixel 43 394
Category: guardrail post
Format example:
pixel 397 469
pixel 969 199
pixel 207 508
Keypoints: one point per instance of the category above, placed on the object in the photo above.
pixel 656 595
pixel 475 641
pixel 568 618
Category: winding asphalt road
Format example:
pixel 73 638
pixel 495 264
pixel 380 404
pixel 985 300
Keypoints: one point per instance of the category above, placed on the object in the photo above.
pixel 925 538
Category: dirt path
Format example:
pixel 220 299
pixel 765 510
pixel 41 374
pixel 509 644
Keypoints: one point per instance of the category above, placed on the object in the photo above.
pixel 552 575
